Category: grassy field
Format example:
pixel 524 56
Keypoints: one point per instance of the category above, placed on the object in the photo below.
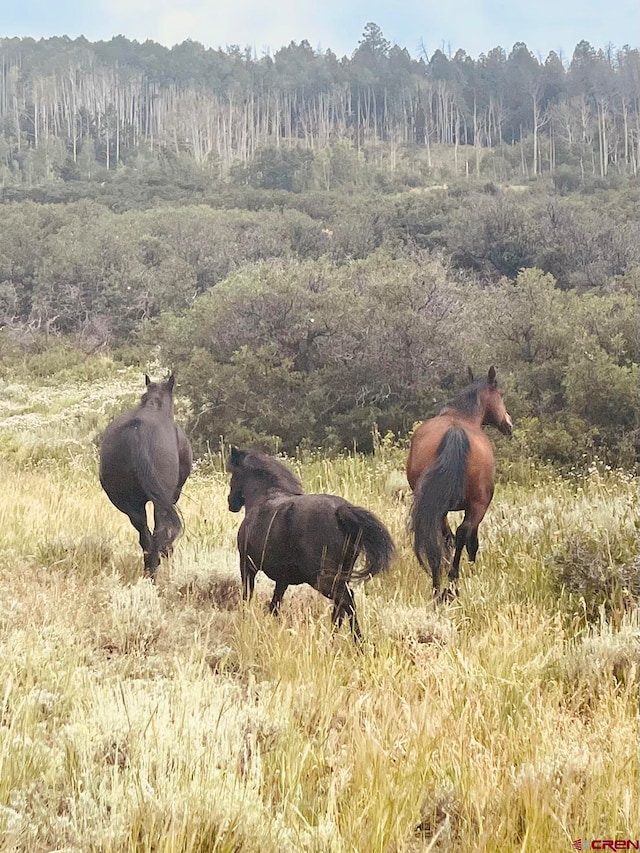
pixel 172 718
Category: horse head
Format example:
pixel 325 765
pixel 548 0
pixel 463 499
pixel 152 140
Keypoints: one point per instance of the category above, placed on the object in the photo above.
pixel 495 411
pixel 234 467
pixel 159 395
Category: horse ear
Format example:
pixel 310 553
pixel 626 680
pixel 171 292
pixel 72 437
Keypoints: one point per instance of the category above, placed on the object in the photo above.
pixel 492 375
pixel 147 381
pixel 237 456
pixel 171 381
pixel 470 372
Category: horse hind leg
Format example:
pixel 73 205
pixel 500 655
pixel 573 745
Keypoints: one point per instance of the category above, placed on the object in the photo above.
pixel 466 537
pixel 164 533
pixel 448 543
pixel 138 517
pixel 344 605
pixel 163 543
pixel 461 537
pixel 447 534
pixel 435 564
pixel 473 545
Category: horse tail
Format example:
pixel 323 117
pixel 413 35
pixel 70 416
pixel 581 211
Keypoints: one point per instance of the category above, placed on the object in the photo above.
pixel 366 533
pixel 440 489
pixel 155 489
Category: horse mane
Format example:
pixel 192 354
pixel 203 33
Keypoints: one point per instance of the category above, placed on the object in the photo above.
pixel 466 402
pixel 275 472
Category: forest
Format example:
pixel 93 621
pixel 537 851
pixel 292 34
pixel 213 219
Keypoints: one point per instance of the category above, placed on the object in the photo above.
pixel 72 106
pixel 320 246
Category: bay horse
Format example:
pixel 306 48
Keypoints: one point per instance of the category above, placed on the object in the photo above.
pixel 145 456
pixel 297 538
pixel 451 467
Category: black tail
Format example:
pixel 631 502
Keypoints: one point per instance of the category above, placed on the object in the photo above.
pixel 156 491
pixel 439 490
pixel 368 534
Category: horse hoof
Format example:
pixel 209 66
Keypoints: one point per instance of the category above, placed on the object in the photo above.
pixel 445 596
pixel 450 593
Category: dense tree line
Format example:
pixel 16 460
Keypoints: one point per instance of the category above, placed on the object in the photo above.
pixel 73 109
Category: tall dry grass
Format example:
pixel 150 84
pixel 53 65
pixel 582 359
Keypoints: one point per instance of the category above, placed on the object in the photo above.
pixel 173 718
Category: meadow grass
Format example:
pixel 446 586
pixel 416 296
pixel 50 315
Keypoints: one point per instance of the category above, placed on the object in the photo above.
pixel 175 718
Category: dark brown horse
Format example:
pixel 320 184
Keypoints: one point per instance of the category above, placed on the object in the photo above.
pixel 145 457
pixel 451 467
pixel 297 538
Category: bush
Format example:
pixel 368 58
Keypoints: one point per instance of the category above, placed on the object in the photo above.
pixel 604 576
pixel 565 181
pixel 318 353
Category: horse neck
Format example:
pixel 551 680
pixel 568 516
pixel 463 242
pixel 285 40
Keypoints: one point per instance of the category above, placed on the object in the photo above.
pixel 473 419
pixel 257 492
pixel 165 409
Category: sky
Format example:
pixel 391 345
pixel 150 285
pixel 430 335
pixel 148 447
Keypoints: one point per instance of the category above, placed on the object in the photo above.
pixel 421 26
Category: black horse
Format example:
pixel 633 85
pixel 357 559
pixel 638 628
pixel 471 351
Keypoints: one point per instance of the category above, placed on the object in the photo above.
pixel 297 538
pixel 145 457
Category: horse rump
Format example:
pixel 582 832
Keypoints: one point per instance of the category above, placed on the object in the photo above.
pixel 148 472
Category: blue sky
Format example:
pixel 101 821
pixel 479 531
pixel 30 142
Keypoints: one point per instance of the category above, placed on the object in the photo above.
pixel 476 26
